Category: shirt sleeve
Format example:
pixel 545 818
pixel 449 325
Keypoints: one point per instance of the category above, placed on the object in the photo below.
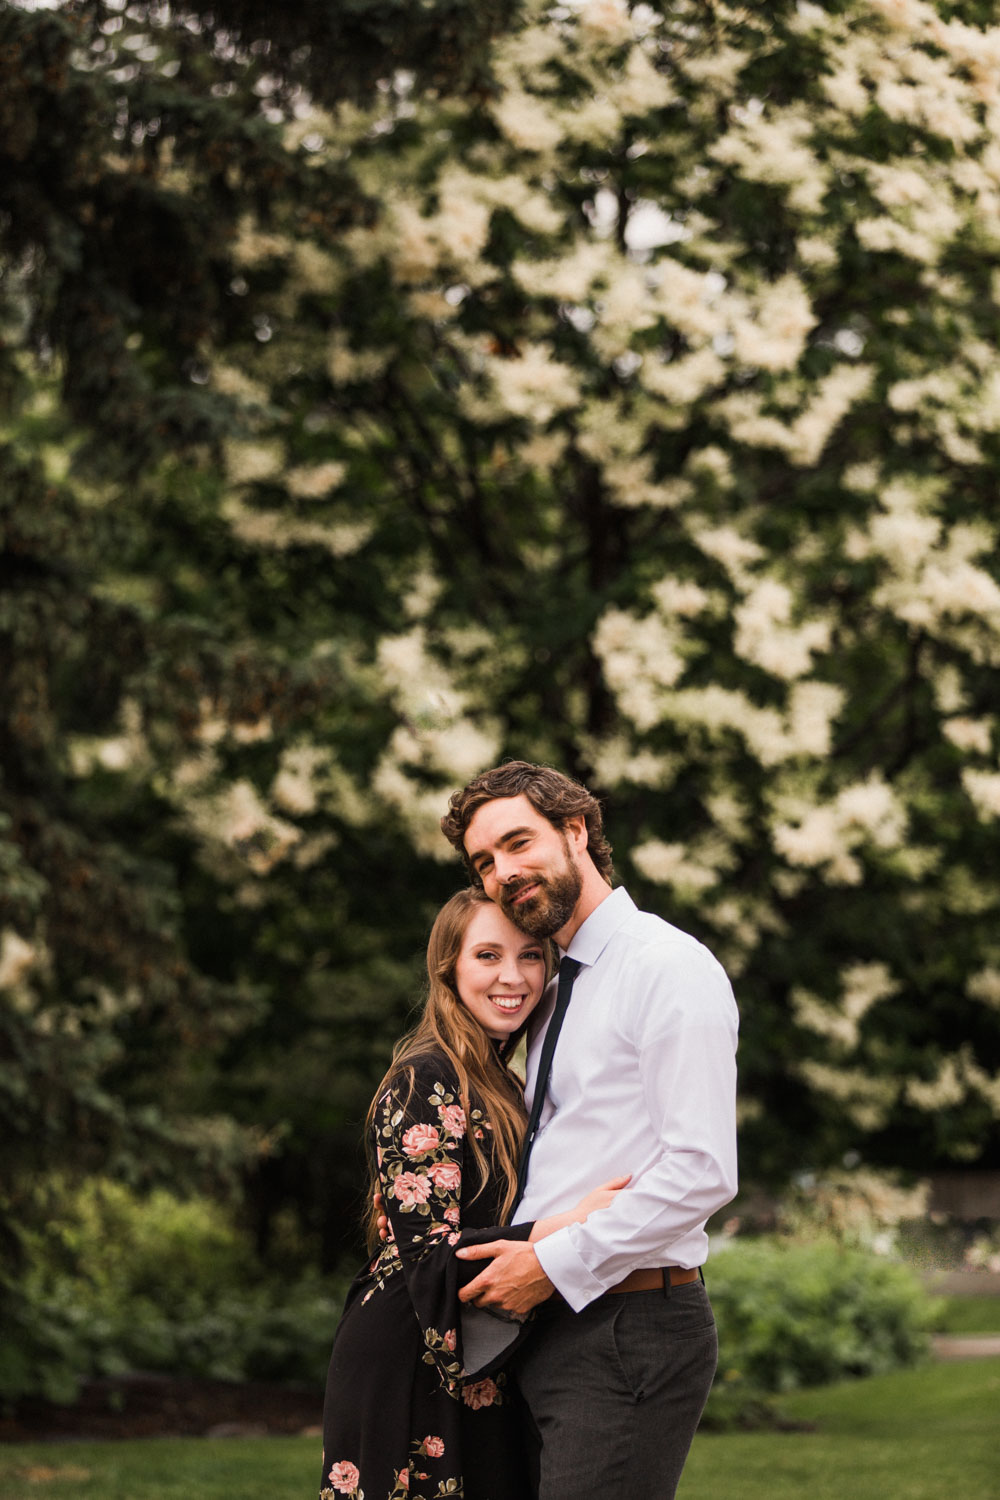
pixel 420 1142
pixel 682 1024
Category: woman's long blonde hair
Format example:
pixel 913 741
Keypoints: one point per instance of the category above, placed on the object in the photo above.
pixel 446 1025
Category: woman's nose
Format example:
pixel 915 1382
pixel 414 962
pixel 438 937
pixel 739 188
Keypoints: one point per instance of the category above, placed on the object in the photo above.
pixel 510 971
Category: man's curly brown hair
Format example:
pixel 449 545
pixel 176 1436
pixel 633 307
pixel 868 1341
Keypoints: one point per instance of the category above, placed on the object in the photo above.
pixel 555 796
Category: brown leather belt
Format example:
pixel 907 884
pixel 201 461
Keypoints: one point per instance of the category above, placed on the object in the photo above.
pixel 651 1280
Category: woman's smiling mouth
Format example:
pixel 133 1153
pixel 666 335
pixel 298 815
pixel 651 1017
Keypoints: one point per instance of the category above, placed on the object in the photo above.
pixel 508 1003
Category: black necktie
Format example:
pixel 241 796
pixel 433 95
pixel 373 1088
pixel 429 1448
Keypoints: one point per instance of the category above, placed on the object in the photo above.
pixel 568 970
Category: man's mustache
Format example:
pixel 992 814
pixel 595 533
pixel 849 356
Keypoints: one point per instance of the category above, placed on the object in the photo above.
pixel 510 891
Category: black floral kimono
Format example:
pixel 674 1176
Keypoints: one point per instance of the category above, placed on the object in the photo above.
pixel 402 1418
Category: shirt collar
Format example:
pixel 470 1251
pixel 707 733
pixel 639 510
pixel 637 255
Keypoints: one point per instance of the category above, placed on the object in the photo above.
pixel 592 936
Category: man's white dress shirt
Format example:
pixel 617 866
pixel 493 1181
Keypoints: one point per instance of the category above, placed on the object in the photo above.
pixel 643 1081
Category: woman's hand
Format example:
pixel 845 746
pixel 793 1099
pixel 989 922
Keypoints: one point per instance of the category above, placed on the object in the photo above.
pixel 597 1198
pixel 382 1222
pixel 601 1197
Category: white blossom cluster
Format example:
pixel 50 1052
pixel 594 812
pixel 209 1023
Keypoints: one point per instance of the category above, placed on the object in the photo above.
pixel 757 323
pixel 862 986
pixel 17 958
pixel 438 736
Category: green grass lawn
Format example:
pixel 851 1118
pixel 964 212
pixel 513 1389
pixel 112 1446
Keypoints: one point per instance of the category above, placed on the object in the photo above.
pixel 929 1434
pixel 163 1469
pixel 969 1315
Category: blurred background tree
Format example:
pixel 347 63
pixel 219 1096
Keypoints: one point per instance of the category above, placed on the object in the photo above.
pixel 609 386
pixel 155 1018
pixel 668 373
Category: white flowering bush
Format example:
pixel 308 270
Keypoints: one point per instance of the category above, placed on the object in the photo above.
pixel 658 389
pixel 632 404
pixel 859 1208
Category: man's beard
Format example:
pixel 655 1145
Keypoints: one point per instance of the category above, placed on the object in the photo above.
pixel 549 910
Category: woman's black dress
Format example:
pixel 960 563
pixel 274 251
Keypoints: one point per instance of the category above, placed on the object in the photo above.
pixel 401 1418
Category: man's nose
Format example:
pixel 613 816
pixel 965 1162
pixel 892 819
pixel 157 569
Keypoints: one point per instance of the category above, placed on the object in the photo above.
pixel 506 868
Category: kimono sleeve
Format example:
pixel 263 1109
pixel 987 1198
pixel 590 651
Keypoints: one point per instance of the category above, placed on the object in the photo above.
pixel 422 1158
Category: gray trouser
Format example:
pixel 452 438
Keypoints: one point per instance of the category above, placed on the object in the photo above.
pixel 615 1391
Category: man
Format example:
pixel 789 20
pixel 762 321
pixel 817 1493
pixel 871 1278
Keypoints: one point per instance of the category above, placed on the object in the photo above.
pixel 642 1080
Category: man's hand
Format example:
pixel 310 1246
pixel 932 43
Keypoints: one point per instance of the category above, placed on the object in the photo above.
pixel 514 1282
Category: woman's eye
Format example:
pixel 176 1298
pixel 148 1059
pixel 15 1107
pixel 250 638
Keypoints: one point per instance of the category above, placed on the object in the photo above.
pixel 488 954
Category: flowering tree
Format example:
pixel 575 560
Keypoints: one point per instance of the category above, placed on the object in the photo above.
pixel 635 411
pixel 659 395
pixel 153 688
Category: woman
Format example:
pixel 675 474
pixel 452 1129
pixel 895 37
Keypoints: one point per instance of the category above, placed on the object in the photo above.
pixel 403 1418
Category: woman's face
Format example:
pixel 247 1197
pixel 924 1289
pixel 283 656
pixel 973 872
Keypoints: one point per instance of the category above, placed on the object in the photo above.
pixel 499 972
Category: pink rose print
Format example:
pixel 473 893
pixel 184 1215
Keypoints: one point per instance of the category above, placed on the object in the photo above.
pixel 433 1447
pixel 454 1237
pixel 445 1175
pixel 344 1478
pixel 403 1479
pixel 452 1117
pixel 410 1188
pixel 420 1139
pixel 453 1215
pixel 483 1393
pixel 450 1340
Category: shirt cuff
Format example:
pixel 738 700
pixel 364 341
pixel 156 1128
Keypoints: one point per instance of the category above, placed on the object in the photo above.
pixel 561 1263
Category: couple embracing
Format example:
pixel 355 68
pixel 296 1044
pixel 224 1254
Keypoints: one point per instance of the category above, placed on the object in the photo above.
pixel 535 1321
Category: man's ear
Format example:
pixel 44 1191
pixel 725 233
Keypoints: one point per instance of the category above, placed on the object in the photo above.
pixel 575 830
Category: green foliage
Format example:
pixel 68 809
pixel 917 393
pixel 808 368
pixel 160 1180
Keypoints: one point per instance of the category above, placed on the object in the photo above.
pixel 971 1314
pixel 635 411
pixel 854 1206
pixel 159 1283
pixel 342 51
pixel 139 973
pixel 661 380
pixel 794 1315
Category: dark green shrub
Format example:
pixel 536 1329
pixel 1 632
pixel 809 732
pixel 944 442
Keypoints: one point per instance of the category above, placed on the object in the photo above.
pixel 160 1283
pixel 157 1283
pixel 794 1315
